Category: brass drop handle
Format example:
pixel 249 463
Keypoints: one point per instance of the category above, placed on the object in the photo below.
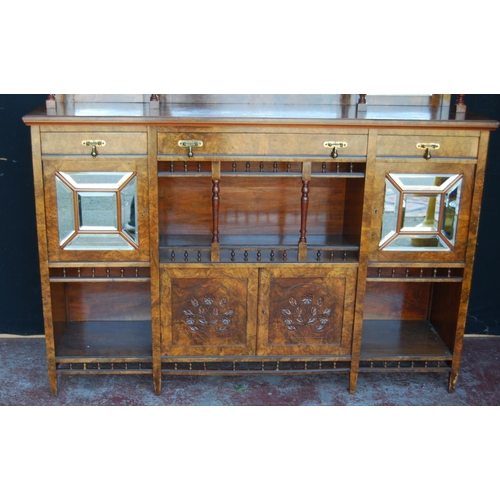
pixel 95 144
pixel 335 146
pixel 428 148
pixel 190 145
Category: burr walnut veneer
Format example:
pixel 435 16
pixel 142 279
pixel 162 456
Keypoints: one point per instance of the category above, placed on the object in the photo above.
pixel 229 234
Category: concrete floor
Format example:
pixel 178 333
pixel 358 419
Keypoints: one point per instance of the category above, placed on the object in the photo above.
pixel 24 383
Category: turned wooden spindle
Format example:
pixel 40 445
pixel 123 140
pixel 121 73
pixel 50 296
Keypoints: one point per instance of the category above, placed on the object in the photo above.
pixel 215 211
pixel 154 104
pixel 304 207
pixel 303 211
pixel 50 104
pixel 361 106
pixel 460 106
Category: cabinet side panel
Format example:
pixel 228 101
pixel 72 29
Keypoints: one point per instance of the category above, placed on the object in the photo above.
pixel 444 310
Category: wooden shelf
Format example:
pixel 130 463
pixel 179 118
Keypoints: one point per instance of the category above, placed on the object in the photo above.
pixel 105 340
pixel 255 242
pixel 256 249
pixel 402 340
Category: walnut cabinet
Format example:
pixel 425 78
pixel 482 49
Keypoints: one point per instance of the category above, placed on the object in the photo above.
pixel 235 234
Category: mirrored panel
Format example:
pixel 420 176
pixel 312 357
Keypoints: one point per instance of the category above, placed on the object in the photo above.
pixel 129 215
pixel 451 209
pixel 420 212
pixel 99 242
pixel 65 211
pixel 416 243
pixel 422 182
pixel 391 210
pixel 96 210
pixel 96 180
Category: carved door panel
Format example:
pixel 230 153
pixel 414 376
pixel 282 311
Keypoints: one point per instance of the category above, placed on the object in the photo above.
pixel 306 311
pixel 209 312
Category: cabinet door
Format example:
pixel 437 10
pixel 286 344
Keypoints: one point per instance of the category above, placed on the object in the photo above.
pixel 306 311
pixel 208 312
pixel 421 212
pixel 97 210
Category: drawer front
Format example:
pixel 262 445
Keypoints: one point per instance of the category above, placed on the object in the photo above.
pixel 71 143
pixel 416 145
pixel 255 144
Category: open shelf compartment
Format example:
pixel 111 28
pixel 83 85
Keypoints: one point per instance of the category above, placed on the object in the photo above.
pixel 410 324
pixel 260 215
pixel 101 322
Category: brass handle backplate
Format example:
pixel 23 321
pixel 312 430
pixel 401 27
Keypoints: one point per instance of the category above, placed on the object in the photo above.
pixel 190 145
pixel 434 146
pixel 335 146
pixel 95 144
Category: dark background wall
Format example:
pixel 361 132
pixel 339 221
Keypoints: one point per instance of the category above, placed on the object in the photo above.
pixel 484 305
pixel 20 292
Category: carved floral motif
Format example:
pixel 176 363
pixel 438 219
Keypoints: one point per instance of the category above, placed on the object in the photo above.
pixel 210 316
pixel 307 316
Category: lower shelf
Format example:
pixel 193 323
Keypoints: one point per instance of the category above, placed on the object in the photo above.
pixel 119 368
pixel 414 345
pixel 254 366
pixel 105 341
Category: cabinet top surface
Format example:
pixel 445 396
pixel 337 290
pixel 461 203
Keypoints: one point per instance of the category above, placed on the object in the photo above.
pixel 256 114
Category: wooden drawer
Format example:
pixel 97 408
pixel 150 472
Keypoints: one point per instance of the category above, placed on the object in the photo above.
pixel 261 144
pixel 414 146
pixel 70 143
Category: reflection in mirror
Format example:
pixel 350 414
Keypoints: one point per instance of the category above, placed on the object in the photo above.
pixel 97 211
pixel 420 213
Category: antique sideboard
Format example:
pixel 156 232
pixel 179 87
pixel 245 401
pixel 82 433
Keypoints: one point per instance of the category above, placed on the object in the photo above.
pixel 228 234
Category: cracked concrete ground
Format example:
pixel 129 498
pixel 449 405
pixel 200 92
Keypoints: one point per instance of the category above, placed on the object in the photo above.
pixel 25 383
